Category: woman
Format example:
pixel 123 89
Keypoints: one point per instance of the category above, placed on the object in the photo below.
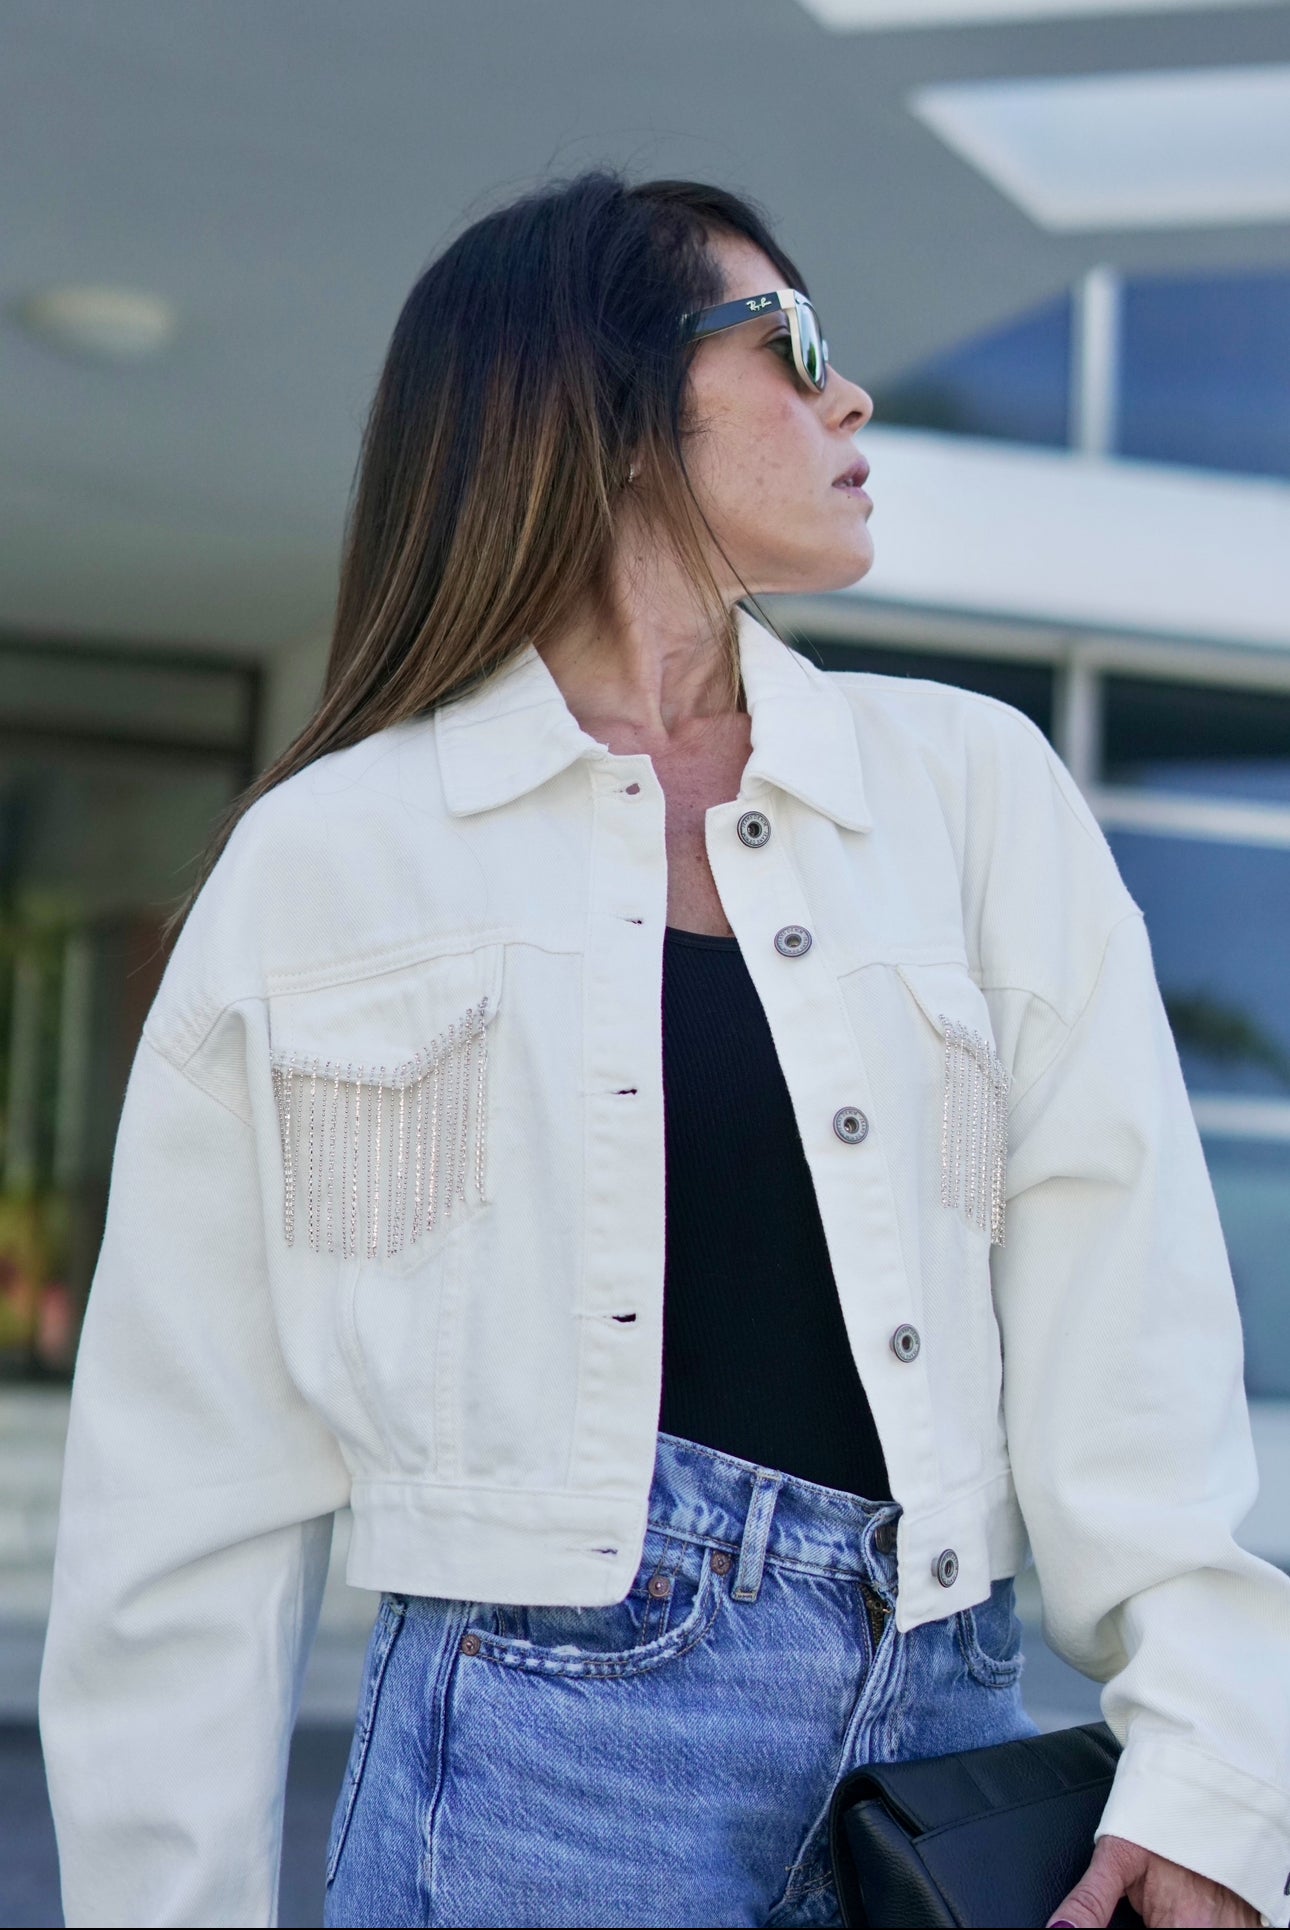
pixel 396 1190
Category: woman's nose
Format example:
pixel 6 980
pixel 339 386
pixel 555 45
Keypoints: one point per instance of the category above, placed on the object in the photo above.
pixel 849 406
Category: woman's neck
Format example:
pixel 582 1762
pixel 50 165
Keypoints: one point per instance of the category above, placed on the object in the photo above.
pixel 645 665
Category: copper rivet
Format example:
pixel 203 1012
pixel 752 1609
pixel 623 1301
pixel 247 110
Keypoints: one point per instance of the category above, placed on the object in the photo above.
pixel 470 1644
pixel 720 1563
pixel 660 1587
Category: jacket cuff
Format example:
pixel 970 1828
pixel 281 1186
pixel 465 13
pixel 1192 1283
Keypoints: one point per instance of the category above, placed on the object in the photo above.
pixel 1176 1800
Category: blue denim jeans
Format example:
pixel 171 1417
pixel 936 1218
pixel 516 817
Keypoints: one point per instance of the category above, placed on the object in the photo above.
pixel 667 1760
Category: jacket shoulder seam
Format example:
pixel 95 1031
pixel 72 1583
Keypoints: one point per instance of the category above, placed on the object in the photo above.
pixel 1011 716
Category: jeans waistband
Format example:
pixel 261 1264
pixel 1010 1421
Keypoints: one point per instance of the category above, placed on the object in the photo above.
pixel 762 1514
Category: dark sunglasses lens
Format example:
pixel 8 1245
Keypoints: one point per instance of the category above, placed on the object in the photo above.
pixel 814 354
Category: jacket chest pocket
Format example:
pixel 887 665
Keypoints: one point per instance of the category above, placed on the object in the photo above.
pixel 381 1090
pixel 970 1091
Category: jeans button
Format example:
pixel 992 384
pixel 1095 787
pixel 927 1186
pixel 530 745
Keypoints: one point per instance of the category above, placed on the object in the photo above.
pixel 885 1538
pixel 793 941
pixel 754 829
pixel 850 1124
pixel 946 1568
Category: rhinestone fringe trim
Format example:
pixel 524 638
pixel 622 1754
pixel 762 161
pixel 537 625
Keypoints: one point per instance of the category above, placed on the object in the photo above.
pixel 974 1129
pixel 379 1154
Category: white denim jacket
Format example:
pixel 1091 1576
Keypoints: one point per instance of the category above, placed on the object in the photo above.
pixel 386 1228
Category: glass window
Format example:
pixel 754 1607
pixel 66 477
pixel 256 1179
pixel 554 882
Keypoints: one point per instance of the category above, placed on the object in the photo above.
pixel 1218 915
pixel 1203 371
pixel 1252 1186
pixel 125 695
pixel 1219 920
pixel 1197 740
pixel 109 790
pixel 1028 687
pixel 1012 382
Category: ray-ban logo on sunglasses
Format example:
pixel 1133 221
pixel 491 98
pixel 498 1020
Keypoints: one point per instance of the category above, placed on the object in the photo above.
pixel 763 301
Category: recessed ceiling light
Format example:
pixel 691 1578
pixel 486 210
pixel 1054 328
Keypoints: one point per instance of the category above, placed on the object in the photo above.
pixel 857 15
pixel 1190 148
pixel 108 324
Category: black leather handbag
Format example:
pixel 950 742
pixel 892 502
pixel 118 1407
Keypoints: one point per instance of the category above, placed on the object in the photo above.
pixel 992 1836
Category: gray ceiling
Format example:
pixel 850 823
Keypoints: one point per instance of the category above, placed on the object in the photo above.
pixel 282 169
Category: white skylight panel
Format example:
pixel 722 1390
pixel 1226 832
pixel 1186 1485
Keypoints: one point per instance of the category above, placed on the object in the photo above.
pixel 856 15
pixel 1189 148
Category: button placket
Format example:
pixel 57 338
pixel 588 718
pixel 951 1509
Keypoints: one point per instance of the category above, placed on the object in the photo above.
pixel 620 1270
pixel 814 1033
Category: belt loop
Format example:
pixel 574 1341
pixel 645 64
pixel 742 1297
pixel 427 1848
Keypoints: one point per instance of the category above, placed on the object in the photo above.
pixel 752 1548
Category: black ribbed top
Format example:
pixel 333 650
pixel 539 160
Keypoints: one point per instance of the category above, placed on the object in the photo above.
pixel 756 1360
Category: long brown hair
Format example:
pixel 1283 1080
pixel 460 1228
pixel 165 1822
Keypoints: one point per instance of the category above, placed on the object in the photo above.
pixel 537 359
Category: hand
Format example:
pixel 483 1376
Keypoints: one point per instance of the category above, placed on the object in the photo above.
pixel 1161 1892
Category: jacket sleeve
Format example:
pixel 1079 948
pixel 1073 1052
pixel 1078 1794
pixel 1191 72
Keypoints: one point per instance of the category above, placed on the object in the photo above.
pixel 1130 1441
pixel 194 1530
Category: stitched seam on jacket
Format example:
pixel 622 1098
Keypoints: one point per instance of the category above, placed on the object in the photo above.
pixel 844 1012
pixel 358 967
pixel 1012 718
pixel 586 1330
pixel 197 1023
pixel 1223 1771
pixel 477 1488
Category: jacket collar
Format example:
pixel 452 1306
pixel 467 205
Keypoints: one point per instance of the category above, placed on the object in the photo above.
pixel 515 731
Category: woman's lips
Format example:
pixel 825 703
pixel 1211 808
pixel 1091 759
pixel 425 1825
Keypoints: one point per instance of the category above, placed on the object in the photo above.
pixel 852 481
pixel 853 489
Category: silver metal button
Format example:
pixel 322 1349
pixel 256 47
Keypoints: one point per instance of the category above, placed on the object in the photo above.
pixel 753 829
pixel 946 1568
pixel 905 1343
pixel 849 1123
pixel 791 941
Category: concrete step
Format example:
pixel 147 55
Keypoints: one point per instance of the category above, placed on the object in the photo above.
pixel 33 1426
pixel 34 1413
pixel 26 1536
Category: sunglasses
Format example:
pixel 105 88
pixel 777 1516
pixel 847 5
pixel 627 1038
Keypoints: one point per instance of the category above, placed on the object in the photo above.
pixel 810 350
